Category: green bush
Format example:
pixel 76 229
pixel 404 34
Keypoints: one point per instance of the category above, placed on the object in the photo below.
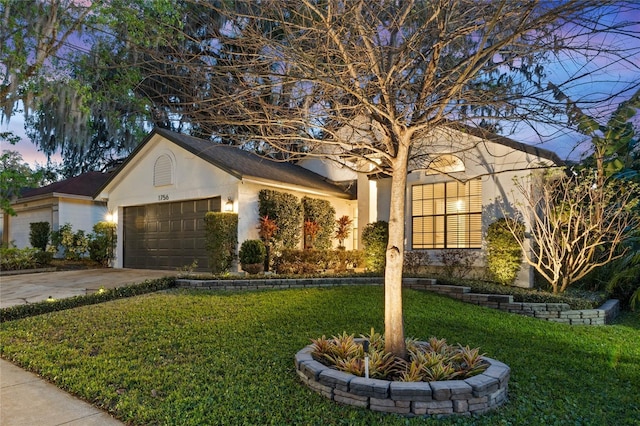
pixel 102 242
pixel 625 280
pixel 375 238
pixel 12 259
pixel 43 258
pixel 286 211
pixel 457 263
pixel 504 255
pixel 221 240
pixel 322 213
pixel 74 245
pixel 415 261
pixel 252 252
pixel 39 234
pixel 348 259
pixel 293 261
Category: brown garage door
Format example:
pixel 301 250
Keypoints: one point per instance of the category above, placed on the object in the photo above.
pixel 167 235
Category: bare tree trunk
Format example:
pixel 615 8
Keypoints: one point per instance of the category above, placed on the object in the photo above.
pixel 393 321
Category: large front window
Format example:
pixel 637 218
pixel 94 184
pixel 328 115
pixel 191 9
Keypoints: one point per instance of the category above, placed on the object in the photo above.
pixel 447 215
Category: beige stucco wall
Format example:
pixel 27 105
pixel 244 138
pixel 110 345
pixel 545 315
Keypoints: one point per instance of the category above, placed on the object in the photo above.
pixel 496 165
pixel 195 178
pixel 81 212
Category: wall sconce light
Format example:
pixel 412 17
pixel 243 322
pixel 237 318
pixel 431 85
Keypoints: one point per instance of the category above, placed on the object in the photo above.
pixel 111 217
pixel 228 206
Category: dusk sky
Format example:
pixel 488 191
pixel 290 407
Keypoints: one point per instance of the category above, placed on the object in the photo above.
pixel 567 144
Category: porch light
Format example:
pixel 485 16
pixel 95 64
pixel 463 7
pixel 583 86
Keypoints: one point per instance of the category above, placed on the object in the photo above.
pixel 228 206
pixel 111 217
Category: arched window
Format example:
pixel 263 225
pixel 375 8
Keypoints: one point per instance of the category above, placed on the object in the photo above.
pixel 446 163
pixel 163 171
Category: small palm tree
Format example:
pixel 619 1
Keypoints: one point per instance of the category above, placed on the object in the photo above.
pixel 343 229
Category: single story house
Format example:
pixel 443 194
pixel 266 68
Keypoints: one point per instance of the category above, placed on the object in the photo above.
pixel 67 201
pixel 161 193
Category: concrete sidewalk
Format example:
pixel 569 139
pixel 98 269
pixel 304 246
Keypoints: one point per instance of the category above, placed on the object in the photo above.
pixel 25 398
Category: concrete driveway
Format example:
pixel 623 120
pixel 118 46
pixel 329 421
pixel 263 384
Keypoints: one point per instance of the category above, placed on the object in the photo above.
pixel 30 288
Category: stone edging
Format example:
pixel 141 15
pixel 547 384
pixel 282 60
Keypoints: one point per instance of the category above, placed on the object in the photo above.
pixel 556 312
pixel 475 395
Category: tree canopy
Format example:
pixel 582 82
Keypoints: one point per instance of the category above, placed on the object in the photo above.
pixel 366 83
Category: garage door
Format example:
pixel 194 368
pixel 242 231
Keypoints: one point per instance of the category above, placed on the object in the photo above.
pixel 167 235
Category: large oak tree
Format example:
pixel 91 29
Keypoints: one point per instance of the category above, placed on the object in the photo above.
pixel 362 82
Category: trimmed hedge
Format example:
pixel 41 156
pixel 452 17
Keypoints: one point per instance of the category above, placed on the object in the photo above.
pixel 39 233
pixel 314 261
pixel 22 311
pixel 375 238
pixel 504 255
pixel 221 240
pixel 322 213
pixel 286 211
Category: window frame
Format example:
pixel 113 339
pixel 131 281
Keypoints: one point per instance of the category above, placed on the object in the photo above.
pixel 439 235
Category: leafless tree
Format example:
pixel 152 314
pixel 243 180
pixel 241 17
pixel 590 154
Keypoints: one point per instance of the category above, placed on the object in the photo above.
pixel 575 225
pixel 364 82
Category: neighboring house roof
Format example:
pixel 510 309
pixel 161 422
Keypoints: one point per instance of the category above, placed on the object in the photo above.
pixel 84 185
pixel 244 164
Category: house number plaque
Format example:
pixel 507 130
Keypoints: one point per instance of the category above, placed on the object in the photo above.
pixel 163 197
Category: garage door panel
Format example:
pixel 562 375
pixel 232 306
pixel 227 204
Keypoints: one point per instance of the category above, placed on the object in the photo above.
pixel 167 235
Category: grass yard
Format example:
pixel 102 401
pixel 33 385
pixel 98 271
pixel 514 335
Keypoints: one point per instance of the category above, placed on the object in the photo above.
pixel 195 358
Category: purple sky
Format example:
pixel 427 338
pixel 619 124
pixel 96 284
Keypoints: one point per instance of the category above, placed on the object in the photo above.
pixel 607 77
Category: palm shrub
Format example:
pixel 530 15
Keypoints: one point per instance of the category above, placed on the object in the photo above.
pixel 625 282
pixel 504 255
pixel 39 234
pixel 343 229
pixel 375 237
pixel 221 240
pixel 252 255
pixel 267 230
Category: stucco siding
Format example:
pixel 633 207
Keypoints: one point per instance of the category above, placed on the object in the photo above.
pixel 248 214
pixel 81 214
pixel 19 226
pixel 193 179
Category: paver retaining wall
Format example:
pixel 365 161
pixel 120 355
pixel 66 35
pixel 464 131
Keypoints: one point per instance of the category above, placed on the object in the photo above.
pixel 557 312
pixel 475 395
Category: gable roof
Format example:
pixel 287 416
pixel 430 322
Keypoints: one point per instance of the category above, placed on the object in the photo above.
pixel 244 164
pixel 84 185
pixel 508 142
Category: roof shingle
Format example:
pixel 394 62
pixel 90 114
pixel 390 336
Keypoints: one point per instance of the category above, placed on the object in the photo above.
pixel 85 184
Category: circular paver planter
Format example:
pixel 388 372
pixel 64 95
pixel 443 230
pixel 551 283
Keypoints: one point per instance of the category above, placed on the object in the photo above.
pixel 475 395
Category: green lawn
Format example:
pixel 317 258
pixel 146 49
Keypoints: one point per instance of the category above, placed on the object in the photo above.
pixel 189 357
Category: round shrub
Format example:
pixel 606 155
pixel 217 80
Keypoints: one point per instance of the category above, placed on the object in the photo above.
pixel 504 255
pixel 375 238
pixel 252 252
